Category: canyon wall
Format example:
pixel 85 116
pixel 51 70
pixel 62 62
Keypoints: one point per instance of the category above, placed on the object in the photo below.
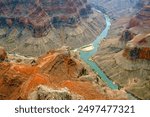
pixel 39 15
pixel 31 28
pixel 138 48
pixel 142 18
pixel 125 58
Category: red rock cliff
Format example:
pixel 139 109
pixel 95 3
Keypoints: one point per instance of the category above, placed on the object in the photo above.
pixel 56 69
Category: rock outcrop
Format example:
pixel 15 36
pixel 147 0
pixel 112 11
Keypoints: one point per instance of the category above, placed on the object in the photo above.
pixel 56 75
pixel 138 47
pixel 3 54
pixel 45 93
pixel 126 36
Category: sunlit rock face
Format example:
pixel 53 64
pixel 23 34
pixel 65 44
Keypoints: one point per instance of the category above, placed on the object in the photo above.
pixel 55 75
pixel 39 15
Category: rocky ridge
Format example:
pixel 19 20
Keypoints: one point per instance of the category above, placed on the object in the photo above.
pixel 55 75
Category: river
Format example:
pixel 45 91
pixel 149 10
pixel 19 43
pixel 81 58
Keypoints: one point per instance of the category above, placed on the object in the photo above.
pixel 86 55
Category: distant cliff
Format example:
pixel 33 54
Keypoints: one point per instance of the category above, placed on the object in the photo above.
pixel 142 18
pixel 117 8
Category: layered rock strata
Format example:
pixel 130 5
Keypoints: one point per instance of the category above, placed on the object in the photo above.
pixel 39 15
pixel 31 28
pixel 138 48
pixel 142 19
pixel 124 67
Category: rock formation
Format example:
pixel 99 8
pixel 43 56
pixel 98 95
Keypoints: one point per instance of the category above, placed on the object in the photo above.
pixel 3 54
pixel 38 15
pixel 140 23
pixel 44 93
pixel 130 67
pixel 33 27
pixel 116 8
pixel 126 36
pixel 138 48
pixel 56 75
pixel 142 19
pixel 24 13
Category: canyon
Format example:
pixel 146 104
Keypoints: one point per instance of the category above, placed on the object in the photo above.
pixel 38 15
pixel 40 26
pixel 43 42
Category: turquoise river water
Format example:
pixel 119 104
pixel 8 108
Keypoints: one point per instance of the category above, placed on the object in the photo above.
pixel 86 55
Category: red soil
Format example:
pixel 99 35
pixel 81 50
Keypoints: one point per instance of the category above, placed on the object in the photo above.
pixel 17 81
